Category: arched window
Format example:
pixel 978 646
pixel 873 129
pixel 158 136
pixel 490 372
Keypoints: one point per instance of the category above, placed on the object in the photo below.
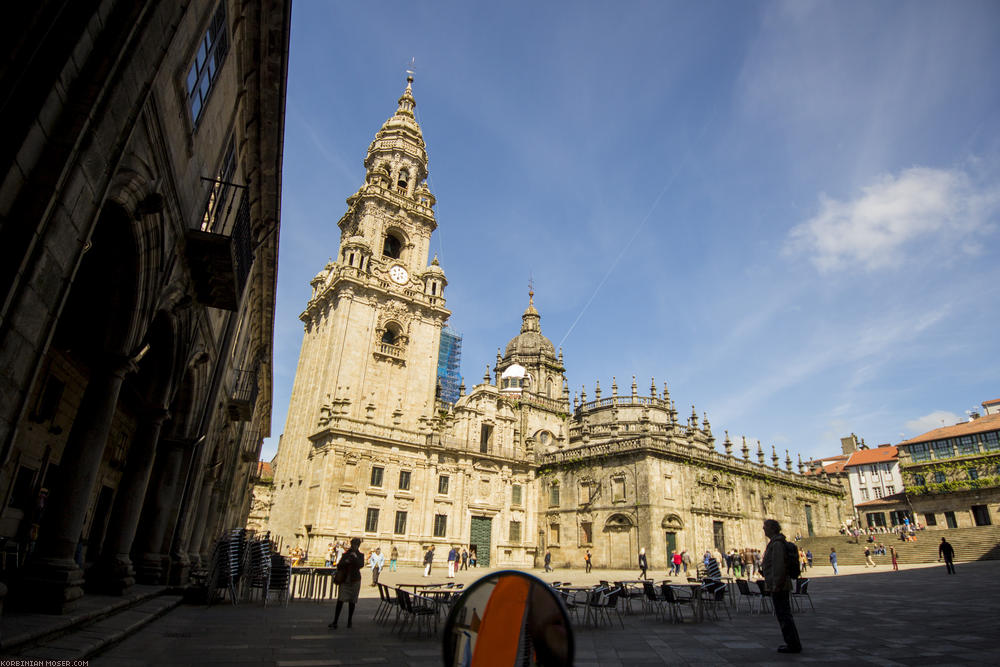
pixel 548 388
pixel 393 247
pixel 390 336
pixel 434 289
pixel 401 182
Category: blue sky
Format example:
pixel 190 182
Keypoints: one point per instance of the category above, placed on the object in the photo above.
pixel 787 211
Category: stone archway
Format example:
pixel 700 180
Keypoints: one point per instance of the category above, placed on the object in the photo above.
pixel 618 538
pixel 98 330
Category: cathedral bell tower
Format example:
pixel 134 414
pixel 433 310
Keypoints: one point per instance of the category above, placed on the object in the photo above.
pixel 373 322
pixel 364 390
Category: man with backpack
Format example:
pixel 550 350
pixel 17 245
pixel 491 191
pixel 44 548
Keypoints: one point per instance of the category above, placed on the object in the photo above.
pixel 780 565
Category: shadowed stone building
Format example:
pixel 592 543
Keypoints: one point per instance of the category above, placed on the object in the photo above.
pixel 512 468
pixel 139 208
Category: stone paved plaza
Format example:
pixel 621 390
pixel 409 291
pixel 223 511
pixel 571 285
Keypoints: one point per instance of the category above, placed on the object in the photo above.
pixel 917 616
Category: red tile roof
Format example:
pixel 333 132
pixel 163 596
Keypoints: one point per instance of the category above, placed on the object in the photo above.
pixel 264 470
pixel 981 425
pixel 877 455
pixel 995 401
pixel 831 464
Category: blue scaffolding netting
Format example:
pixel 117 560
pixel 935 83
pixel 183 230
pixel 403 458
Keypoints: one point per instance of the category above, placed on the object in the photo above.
pixel 449 362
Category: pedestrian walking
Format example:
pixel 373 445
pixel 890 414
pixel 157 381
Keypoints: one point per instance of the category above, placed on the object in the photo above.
pixel 548 560
pixel 586 561
pixel 465 559
pixel 428 560
pixel 393 557
pixel 868 558
pixel 946 551
pixel 348 580
pixel 804 564
pixel 779 564
pixel 892 554
pixel 809 557
pixel 833 559
pixel 643 564
pixel 675 564
pixel 329 555
pixel 452 562
pixel 685 561
pixel 376 562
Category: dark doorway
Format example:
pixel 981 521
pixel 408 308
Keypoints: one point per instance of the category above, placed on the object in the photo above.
pixel 479 537
pixel 671 545
pixel 949 519
pixel 719 534
pixel 809 520
pixel 981 515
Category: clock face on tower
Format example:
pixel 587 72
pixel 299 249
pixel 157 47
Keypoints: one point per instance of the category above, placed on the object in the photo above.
pixel 398 274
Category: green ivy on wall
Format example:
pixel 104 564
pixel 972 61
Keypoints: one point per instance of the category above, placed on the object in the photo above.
pixel 954 485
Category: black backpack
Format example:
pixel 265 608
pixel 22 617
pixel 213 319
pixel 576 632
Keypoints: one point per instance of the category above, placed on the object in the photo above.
pixel 793 567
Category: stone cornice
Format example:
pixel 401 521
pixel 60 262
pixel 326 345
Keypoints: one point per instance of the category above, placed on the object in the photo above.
pixel 710 459
pixel 390 200
pixel 347 277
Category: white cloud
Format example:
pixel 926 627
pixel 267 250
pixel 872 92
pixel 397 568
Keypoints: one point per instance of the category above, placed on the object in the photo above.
pixel 931 421
pixel 943 209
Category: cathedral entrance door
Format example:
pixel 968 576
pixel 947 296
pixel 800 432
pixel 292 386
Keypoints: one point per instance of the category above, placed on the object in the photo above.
pixel 479 537
pixel 719 534
pixel 671 545
pixel 618 530
pixel 809 520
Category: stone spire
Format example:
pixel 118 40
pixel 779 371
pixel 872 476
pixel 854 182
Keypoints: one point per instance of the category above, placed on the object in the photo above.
pixel 614 386
pixel 400 133
pixel 746 450
pixel 461 387
pixel 774 456
pixel 560 357
pixel 788 461
pixel 652 387
pixel 693 420
pixel 486 375
pixel 635 389
pixel 666 394
pixel 530 320
pixel 728 444
pixel 760 453
pixel 597 391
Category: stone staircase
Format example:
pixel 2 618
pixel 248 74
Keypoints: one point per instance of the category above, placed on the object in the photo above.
pixel 979 543
pixel 99 622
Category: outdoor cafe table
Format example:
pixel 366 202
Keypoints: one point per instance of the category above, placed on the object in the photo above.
pixel 695 598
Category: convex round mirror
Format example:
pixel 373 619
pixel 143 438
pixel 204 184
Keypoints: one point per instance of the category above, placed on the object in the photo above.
pixel 508 618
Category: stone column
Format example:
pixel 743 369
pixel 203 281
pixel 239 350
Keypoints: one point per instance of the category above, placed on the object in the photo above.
pixel 114 573
pixel 210 519
pixel 52 580
pixel 163 495
pixel 196 522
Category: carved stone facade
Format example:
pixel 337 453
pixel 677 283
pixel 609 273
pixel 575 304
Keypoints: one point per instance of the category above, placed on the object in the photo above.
pixel 510 469
pixel 138 235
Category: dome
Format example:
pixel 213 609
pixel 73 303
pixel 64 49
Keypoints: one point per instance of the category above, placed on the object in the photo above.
pixel 514 371
pixel 530 342
pixel 357 241
pixel 434 269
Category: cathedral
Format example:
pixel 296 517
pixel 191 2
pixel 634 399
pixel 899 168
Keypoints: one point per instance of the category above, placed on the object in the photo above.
pixel 514 468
